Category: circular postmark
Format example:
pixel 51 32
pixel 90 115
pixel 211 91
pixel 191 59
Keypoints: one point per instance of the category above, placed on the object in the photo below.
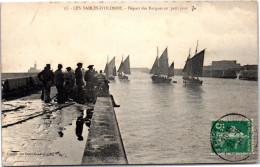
pixel 233 137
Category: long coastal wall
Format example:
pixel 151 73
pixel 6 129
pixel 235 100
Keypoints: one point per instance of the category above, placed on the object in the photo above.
pixel 104 144
pixel 15 75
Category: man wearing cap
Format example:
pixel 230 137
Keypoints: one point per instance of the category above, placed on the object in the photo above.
pixel 46 76
pixel 89 78
pixel 79 83
pixel 69 83
pixel 59 80
pixel 40 76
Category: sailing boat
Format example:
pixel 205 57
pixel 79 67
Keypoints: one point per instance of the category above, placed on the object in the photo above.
pixel 124 68
pixel 193 68
pixel 171 71
pixel 110 69
pixel 161 70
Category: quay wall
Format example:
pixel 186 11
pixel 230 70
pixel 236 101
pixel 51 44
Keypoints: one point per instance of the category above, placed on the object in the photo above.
pixel 16 75
pixel 15 87
pixel 104 144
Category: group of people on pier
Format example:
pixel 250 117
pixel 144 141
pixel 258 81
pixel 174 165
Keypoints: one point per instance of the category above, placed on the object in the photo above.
pixel 70 85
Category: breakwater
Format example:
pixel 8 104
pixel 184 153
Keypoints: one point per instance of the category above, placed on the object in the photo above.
pixel 20 86
pixel 16 75
pixel 104 144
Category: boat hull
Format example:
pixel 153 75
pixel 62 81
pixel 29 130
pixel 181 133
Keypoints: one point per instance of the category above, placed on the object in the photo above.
pixel 191 81
pixel 160 79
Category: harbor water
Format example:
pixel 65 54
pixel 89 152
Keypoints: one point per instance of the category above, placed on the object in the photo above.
pixel 159 123
pixel 171 123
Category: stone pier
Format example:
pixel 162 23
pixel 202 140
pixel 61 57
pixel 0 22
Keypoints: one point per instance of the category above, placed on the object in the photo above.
pixel 104 144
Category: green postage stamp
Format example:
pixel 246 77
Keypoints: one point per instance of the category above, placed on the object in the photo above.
pixel 232 137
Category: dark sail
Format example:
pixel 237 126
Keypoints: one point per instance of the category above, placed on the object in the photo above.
pixel 197 64
pixel 121 67
pixel 163 63
pixel 194 65
pixel 127 66
pixel 155 66
pixel 171 70
pixel 185 67
pixel 106 69
pixel 114 71
pixel 110 67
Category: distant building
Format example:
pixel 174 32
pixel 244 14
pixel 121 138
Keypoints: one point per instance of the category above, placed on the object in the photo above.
pixel 250 67
pixel 178 72
pixel 207 68
pixel 225 65
pixel 225 69
pixel 33 69
pixel 249 72
pixel 206 71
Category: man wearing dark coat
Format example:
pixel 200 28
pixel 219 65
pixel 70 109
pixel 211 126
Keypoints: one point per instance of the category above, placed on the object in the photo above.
pixel 90 78
pixel 47 77
pixel 40 76
pixel 69 83
pixel 79 98
pixel 59 81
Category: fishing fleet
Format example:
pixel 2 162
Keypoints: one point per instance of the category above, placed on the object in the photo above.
pixel 162 72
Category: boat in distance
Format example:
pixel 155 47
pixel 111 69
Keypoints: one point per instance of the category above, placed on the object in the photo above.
pixel 124 68
pixel 193 68
pixel 110 69
pixel 161 70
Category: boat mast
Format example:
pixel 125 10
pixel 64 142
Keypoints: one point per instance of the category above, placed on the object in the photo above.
pixel 158 55
pixel 189 54
pixel 157 51
pixel 196 48
pixel 122 62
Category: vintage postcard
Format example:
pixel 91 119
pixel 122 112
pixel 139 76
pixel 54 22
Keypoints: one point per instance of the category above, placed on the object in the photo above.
pixel 96 83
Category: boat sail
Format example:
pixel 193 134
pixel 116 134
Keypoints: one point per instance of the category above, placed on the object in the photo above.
pixel 114 71
pixel 193 68
pixel 160 69
pixel 124 68
pixel 110 69
pixel 171 70
pixel 155 66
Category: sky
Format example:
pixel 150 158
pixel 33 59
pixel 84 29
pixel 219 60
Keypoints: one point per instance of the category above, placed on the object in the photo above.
pixel 49 34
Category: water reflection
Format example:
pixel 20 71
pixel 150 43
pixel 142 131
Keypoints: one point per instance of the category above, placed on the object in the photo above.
pixel 162 94
pixel 194 92
pixel 79 127
pixel 81 120
pixel 194 99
